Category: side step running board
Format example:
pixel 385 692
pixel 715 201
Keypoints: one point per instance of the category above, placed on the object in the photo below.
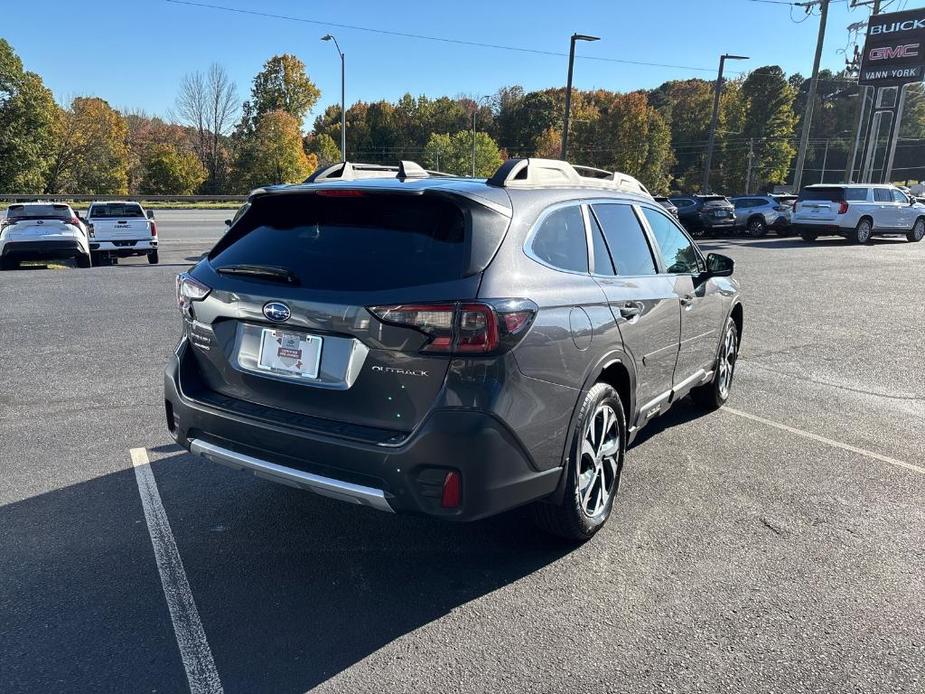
pixel 325 486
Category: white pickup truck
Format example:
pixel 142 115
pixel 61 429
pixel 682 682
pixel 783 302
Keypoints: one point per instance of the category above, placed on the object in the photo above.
pixel 120 229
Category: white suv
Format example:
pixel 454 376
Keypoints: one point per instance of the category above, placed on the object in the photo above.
pixel 42 231
pixel 857 212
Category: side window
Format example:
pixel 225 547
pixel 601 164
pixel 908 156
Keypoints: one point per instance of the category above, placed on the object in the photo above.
pixel 626 239
pixel 682 202
pixel 900 197
pixel 560 240
pixel 603 263
pixel 882 195
pixel 679 254
pixel 856 194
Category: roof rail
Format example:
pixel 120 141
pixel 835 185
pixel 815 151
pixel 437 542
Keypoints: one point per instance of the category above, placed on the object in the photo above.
pixel 352 171
pixel 528 173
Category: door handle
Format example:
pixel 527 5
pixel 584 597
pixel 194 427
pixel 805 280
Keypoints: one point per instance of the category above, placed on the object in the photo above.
pixel 687 299
pixel 630 309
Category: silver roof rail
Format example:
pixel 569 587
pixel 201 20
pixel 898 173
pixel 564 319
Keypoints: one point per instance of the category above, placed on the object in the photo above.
pixel 353 171
pixel 528 173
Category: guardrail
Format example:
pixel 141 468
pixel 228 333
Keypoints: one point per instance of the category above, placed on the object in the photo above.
pixel 29 197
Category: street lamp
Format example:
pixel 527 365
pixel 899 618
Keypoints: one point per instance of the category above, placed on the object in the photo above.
pixel 474 113
pixel 343 103
pixel 568 88
pixel 708 159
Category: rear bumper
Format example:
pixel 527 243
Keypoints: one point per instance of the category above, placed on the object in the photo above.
pixel 710 222
pixel 495 471
pixel 819 229
pixel 124 247
pixel 41 250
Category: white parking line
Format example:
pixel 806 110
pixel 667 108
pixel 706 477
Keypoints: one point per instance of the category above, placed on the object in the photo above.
pixel 191 638
pixel 830 442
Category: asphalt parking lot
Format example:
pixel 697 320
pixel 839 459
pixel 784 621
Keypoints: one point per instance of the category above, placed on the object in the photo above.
pixel 775 546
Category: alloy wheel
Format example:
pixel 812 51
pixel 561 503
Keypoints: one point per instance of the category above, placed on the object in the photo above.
pixel 918 231
pixel 598 467
pixel 864 232
pixel 727 360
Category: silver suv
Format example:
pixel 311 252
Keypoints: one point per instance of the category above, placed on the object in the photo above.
pixel 858 212
pixel 758 213
pixel 449 346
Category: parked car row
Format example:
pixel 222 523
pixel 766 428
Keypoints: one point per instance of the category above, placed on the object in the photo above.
pixel 54 231
pixel 752 214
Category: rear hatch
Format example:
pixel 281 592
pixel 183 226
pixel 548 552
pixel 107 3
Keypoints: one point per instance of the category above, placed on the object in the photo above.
pixel 114 221
pixel 819 204
pixel 288 326
pixel 40 222
pixel 717 207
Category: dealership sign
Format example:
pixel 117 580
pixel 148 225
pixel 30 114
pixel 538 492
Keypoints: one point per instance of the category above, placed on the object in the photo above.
pixel 894 52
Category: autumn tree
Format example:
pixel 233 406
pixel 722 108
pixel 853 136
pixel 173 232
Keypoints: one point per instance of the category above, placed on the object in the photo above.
pixel 90 154
pixel 274 154
pixel 170 170
pixel 770 123
pixel 324 148
pixel 282 85
pixel 27 117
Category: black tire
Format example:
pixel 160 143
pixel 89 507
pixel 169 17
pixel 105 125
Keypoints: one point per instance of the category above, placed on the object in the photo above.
pixel 571 518
pixel 152 258
pixel 756 227
pixel 9 264
pixel 808 236
pixel 714 394
pixel 918 231
pixel 863 232
pixel 83 261
pixel 96 259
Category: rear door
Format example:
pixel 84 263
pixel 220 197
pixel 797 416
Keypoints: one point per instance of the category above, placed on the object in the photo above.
pixel 701 303
pixel 644 303
pixel 297 283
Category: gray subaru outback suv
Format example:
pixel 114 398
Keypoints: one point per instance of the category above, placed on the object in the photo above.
pixel 448 346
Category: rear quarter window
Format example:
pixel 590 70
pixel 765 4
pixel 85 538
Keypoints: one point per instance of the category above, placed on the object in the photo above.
pixel 560 240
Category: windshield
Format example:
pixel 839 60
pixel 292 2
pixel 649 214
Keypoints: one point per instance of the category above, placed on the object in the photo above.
pixel 121 210
pixel 20 212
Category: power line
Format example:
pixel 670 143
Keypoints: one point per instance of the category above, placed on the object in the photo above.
pixel 425 37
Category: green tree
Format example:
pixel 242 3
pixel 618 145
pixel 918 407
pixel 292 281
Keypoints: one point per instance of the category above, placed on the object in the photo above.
pixel 453 153
pixel 282 85
pixel 770 124
pixel 90 153
pixel 171 171
pixel 324 148
pixel 274 154
pixel 27 116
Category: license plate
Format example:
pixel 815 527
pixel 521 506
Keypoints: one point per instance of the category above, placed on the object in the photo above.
pixel 720 213
pixel 289 354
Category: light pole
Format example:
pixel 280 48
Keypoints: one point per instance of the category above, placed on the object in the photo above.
pixel 474 113
pixel 343 101
pixel 568 88
pixel 717 91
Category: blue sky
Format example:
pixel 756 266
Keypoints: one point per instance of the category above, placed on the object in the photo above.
pixel 133 53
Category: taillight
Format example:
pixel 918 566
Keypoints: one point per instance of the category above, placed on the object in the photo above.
pixel 463 328
pixel 188 291
pixel 452 490
pixel 842 206
pixel 153 228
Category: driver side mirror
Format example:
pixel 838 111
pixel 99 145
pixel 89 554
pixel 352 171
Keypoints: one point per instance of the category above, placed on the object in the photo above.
pixel 227 222
pixel 150 214
pixel 719 265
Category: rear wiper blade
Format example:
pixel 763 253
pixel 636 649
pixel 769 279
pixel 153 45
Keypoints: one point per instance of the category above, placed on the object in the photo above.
pixel 271 272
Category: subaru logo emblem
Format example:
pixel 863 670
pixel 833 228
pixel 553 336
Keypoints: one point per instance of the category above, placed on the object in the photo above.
pixel 276 311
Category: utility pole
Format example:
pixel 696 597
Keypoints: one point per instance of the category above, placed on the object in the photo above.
pixel 810 97
pixel 825 156
pixel 717 91
pixel 568 89
pixel 748 174
pixel 863 93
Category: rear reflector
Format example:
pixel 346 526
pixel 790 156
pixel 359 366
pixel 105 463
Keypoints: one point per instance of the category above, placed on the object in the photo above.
pixel 452 490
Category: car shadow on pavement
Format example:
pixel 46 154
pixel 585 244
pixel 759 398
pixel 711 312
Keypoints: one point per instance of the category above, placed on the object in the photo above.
pixel 684 411
pixel 293 588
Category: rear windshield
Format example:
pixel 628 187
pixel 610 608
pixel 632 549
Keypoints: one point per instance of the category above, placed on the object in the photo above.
pixel 713 199
pixel 369 242
pixel 116 209
pixel 38 212
pixel 835 194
